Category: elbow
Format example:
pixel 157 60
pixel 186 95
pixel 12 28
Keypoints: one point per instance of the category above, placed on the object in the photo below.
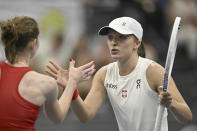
pixel 57 121
pixel 86 119
pixel 83 120
pixel 187 119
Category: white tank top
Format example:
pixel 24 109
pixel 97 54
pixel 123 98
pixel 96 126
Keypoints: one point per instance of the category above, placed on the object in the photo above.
pixel 133 101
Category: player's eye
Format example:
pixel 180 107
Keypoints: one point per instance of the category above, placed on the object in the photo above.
pixel 110 37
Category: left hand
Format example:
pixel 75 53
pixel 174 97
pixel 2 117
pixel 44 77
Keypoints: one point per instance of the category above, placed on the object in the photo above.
pixel 165 98
pixel 82 73
pixel 79 74
pixel 61 75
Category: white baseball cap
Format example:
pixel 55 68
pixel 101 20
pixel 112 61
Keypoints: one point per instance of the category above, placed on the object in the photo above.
pixel 124 26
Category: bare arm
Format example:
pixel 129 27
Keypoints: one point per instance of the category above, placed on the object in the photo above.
pixel 86 110
pixel 172 99
pixel 55 109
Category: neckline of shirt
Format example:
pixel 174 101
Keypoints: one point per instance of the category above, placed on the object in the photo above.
pixel 131 73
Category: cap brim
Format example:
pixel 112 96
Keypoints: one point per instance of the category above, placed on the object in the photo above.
pixel 104 30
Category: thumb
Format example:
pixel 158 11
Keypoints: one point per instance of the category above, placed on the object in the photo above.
pixel 160 89
pixel 72 63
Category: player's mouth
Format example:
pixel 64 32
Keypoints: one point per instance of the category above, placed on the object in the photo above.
pixel 114 51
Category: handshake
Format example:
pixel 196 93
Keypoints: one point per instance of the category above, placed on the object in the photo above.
pixel 75 74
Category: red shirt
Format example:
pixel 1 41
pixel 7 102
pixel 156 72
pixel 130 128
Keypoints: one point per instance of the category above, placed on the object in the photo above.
pixel 16 113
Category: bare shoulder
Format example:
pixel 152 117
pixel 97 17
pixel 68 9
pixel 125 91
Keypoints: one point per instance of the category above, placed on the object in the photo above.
pixel 37 77
pixel 41 81
pixel 155 68
pixel 101 73
pixel 155 74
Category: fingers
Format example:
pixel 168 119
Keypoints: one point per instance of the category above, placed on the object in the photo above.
pixel 89 70
pixel 81 73
pixel 72 63
pixel 51 69
pixel 88 65
pixel 166 103
pixel 160 89
pixel 57 67
pixel 88 75
pixel 87 78
pixel 63 73
pixel 165 94
pixel 93 71
pixel 165 99
pixel 51 74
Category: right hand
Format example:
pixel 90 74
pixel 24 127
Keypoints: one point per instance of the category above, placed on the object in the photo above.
pixel 165 97
pixel 81 73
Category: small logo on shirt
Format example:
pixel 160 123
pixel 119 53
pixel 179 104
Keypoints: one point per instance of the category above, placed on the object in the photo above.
pixel 124 93
pixel 138 83
pixel 111 86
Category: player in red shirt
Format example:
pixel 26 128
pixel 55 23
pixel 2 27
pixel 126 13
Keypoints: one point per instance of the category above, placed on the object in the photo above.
pixel 22 90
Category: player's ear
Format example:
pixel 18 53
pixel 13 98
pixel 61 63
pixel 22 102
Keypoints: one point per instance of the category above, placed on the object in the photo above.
pixel 137 44
pixel 34 44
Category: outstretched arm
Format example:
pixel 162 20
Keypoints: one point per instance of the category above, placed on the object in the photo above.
pixel 172 99
pixel 86 110
pixel 55 109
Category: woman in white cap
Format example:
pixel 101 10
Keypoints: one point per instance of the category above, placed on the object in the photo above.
pixel 132 83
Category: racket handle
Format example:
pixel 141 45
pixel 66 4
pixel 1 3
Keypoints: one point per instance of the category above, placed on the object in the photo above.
pixel 159 118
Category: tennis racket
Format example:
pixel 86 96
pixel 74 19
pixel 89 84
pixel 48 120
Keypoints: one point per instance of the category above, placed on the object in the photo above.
pixel 168 69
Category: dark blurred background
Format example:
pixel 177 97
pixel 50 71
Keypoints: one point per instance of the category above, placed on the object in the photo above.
pixel 69 29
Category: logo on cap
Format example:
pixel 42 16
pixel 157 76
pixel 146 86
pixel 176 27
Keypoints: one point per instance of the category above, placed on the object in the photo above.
pixel 124 23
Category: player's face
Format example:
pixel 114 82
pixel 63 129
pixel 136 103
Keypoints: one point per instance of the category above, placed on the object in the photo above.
pixel 120 46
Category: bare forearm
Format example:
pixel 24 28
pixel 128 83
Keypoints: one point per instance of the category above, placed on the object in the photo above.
pixel 66 98
pixel 81 110
pixel 86 110
pixel 181 112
